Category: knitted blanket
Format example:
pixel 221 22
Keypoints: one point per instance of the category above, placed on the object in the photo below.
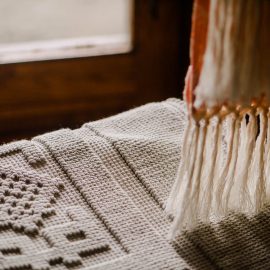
pixel 93 198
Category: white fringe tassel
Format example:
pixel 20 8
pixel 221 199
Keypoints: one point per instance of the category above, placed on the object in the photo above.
pixel 211 182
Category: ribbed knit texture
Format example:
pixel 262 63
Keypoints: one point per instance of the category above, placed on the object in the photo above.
pixel 93 198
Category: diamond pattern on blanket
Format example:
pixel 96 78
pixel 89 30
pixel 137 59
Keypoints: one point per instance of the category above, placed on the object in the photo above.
pixel 26 198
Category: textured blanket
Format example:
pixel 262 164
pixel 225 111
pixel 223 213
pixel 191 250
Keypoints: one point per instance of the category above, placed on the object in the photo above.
pixel 94 197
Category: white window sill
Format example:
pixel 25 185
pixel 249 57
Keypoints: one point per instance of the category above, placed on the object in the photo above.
pixel 63 49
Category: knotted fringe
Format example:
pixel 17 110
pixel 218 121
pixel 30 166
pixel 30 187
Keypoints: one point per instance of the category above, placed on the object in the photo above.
pixel 225 167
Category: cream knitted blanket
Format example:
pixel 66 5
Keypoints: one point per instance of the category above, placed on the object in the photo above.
pixel 93 198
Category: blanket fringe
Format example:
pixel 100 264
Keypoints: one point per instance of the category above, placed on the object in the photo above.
pixel 213 180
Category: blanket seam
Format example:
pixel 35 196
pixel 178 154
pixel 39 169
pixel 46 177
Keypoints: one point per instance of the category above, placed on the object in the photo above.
pixel 128 165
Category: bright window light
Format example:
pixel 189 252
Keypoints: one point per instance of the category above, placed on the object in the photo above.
pixel 52 29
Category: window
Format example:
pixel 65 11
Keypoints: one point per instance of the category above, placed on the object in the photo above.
pixel 73 87
pixel 56 29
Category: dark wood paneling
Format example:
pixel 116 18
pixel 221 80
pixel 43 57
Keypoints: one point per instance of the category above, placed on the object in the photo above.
pixel 162 30
pixel 38 83
pixel 42 96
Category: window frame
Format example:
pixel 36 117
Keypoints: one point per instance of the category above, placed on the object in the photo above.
pixel 41 96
